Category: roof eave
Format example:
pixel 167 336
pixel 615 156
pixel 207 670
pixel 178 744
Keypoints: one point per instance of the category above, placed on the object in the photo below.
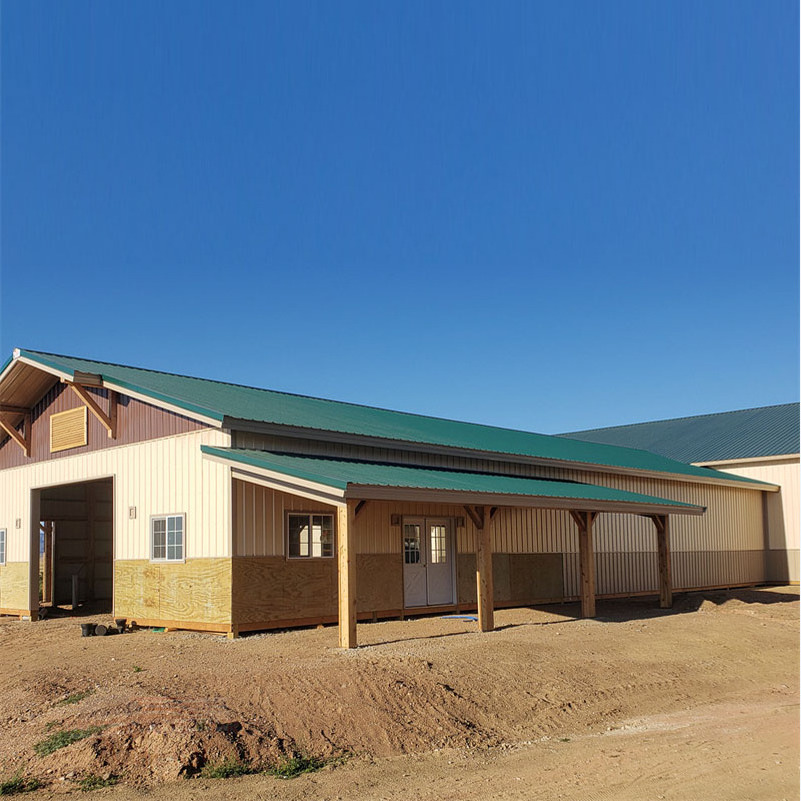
pixel 460 497
pixel 175 405
pixel 255 426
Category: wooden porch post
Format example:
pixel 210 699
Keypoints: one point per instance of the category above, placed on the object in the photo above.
pixel 584 521
pixel 484 583
pixel 662 523
pixel 346 555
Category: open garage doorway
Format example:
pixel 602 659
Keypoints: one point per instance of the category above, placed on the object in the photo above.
pixel 76 546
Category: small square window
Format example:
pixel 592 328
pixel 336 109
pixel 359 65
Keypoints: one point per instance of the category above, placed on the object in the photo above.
pixel 310 535
pixel 167 538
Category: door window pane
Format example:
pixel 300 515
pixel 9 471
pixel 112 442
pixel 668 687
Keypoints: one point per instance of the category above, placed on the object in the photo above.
pixel 439 549
pixel 411 543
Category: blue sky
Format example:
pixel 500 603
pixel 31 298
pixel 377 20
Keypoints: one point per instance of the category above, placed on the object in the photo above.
pixel 549 216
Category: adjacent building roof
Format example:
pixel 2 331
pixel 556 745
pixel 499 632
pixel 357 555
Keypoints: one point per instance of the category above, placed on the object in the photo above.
pixel 233 406
pixel 742 434
pixel 368 479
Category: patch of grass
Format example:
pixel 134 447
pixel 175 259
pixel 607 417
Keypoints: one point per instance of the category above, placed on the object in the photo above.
pixel 74 698
pixel 137 669
pixel 227 769
pixel 16 784
pixel 564 739
pixel 61 739
pixel 289 767
pixel 92 782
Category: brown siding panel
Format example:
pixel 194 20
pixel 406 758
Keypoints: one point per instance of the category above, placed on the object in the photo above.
pixel 136 422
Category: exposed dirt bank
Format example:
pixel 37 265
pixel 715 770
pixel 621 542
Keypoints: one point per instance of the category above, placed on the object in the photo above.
pixel 698 702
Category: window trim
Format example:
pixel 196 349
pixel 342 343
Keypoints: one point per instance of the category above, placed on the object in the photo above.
pixel 4 535
pixel 304 513
pixel 164 517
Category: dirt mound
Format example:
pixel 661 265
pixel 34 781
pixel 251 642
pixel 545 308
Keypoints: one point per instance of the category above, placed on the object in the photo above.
pixel 151 708
pixel 159 739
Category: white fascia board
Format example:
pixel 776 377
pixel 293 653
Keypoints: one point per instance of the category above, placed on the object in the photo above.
pixel 45 368
pixel 748 460
pixel 141 396
pixel 421 495
pixel 282 482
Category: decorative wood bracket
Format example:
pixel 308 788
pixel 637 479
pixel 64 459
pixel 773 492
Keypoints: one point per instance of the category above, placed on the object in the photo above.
pixel 359 506
pixel 23 441
pixel 108 421
pixel 476 514
pixel 583 520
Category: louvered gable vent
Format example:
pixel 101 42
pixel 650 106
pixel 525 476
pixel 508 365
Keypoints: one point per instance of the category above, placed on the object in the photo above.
pixel 68 429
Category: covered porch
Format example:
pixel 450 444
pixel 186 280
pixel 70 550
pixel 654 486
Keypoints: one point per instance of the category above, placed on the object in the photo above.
pixel 484 499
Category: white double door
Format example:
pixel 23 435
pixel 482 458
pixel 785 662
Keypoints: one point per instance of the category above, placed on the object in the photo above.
pixel 428 561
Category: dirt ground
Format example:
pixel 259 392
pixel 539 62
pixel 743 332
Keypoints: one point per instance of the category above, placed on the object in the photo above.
pixel 698 702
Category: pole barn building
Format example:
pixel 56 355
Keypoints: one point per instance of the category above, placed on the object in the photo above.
pixel 761 443
pixel 184 502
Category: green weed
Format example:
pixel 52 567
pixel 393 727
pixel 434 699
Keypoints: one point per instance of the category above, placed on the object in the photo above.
pixel 92 782
pixel 61 739
pixel 74 698
pixel 16 784
pixel 227 769
pixel 289 767
pixel 137 669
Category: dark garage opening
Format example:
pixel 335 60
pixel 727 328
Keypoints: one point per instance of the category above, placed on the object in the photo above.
pixel 77 539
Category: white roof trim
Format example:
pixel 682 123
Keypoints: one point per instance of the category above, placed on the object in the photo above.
pixel 282 482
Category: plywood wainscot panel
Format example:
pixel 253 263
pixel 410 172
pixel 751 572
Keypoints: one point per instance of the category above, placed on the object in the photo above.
pixel 195 591
pixel 379 582
pixel 14 588
pixel 272 588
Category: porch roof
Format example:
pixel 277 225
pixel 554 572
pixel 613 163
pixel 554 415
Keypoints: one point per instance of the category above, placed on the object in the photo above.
pixel 347 479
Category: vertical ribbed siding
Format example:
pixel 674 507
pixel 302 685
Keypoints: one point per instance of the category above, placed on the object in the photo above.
pixel 136 421
pixel 783 508
pixel 715 549
pixel 157 477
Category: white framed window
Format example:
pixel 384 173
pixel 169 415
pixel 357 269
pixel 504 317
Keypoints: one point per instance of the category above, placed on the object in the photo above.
pixel 167 538
pixel 310 535
pixel 2 546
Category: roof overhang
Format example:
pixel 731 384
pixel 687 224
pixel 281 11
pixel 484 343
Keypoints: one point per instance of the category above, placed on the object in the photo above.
pixel 337 490
pixel 24 381
pixel 278 429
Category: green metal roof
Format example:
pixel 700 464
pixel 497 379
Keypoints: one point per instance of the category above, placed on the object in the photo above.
pixel 344 474
pixel 218 401
pixel 742 434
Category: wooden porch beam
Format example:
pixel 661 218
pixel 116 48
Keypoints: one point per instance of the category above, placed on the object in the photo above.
pixel 108 421
pixel 584 521
pixel 24 441
pixel 484 582
pixel 7 407
pixel 346 556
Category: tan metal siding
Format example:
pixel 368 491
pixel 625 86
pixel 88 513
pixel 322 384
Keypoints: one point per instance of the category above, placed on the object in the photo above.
pixel 720 545
pixel 136 422
pixel 158 476
pixel 782 512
